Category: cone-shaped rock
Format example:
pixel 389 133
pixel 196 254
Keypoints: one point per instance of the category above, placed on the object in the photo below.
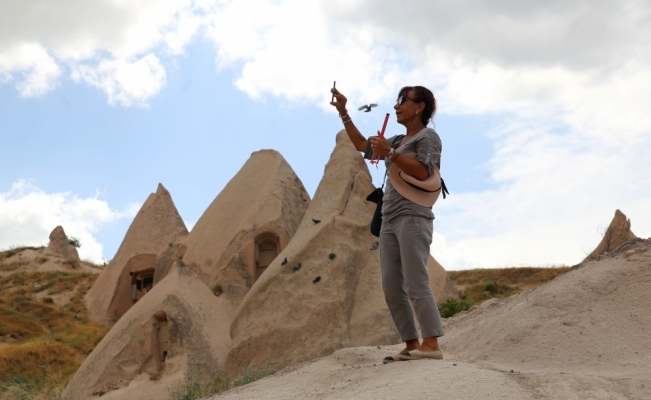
pixel 59 244
pixel 157 227
pixel 329 293
pixel 247 225
pixel 173 331
pixel 617 233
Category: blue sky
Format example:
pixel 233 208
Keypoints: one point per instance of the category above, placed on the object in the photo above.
pixel 544 133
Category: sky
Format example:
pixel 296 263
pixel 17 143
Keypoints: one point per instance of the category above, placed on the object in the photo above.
pixel 543 110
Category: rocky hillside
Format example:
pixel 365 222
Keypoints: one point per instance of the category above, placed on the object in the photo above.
pixel 45 333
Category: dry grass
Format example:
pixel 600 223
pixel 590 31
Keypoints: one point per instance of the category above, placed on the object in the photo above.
pixel 45 340
pixel 73 263
pixel 12 266
pixel 478 285
pixel 36 359
pixel 192 388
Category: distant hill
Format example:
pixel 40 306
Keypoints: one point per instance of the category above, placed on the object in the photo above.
pixel 478 285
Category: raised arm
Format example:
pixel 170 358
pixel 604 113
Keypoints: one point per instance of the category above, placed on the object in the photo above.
pixel 358 140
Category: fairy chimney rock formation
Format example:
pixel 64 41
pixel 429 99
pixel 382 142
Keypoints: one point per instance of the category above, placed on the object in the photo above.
pixel 59 244
pixel 246 226
pixel 618 232
pixel 324 290
pixel 310 298
pixel 174 331
pixel 157 227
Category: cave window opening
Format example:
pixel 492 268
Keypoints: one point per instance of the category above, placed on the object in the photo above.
pixel 141 283
pixel 267 249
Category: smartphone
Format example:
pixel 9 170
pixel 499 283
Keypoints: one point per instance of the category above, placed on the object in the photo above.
pixel 333 93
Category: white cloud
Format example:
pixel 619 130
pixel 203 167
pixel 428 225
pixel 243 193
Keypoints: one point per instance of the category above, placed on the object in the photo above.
pixel 569 78
pixel 126 83
pixel 456 257
pixel 290 49
pixel 109 44
pixel 28 215
pixel 39 71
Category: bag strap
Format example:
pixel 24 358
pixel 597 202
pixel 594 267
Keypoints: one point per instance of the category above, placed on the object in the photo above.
pixel 444 189
pixel 386 172
pixel 385 179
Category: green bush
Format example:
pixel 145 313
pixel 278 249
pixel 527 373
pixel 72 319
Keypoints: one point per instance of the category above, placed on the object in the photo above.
pixel 74 241
pixel 451 307
pixel 490 286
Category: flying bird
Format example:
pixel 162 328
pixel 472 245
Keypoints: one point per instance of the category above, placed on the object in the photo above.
pixel 284 261
pixel 316 221
pixel 296 267
pixel 318 278
pixel 367 108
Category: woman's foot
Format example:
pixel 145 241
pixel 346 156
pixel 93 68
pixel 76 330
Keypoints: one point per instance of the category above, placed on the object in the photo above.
pixel 429 344
pixel 428 349
pixel 411 345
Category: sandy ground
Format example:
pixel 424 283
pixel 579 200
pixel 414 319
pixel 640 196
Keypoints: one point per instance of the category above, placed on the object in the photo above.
pixel 358 373
pixel 584 335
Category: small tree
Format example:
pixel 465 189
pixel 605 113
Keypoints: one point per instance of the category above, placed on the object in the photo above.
pixel 74 241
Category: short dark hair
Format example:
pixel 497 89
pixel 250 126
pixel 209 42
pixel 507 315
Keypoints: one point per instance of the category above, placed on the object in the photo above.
pixel 422 95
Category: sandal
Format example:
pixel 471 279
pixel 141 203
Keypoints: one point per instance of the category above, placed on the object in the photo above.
pixel 419 355
pixel 390 359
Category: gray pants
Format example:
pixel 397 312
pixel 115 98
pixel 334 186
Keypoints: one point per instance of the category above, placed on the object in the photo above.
pixel 404 251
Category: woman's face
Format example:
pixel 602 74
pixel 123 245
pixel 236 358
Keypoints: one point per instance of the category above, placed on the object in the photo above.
pixel 406 108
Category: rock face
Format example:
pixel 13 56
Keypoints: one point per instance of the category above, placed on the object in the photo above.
pixel 440 283
pixel 157 227
pixel 617 233
pixel 173 331
pixel 328 295
pixel 59 244
pixel 247 225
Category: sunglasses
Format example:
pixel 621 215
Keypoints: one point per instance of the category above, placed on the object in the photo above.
pixel 401 99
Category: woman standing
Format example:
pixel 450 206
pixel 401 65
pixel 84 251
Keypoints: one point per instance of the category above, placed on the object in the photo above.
pixel 407 220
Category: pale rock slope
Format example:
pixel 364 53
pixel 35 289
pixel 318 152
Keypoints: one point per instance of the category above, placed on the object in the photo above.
pixel 247 225
pixel 157 227
pixel 584 335
pixel 334 298
pixel 593 319
pixel 618 232
pixel 174 331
